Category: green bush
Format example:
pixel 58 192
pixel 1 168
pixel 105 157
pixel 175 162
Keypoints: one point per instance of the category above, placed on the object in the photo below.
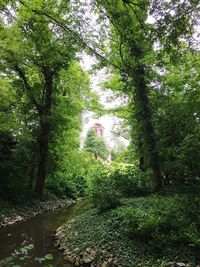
pixel 74 186
pixel 162 222
pixel 130 181
pixel 109 184
pixel 79 185
pixel 103 192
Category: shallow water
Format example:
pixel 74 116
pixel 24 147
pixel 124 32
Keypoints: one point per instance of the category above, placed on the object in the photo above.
pixel 27 243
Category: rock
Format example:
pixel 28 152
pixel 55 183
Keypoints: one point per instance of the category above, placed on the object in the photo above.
pixel 105 264
pixel 87 260
pixel 71 259
pixel 88 250
pixel 180 264
pixel 67 253
pixel 93 253
pixel 78 258
pixel 110 260
pixel 77 263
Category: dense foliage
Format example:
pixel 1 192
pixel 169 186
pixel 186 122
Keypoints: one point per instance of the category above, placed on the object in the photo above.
pixel 44 90
pixel 108 185
pixel 96 145
pixel 159 75
pixel 44 94
pixel 149 54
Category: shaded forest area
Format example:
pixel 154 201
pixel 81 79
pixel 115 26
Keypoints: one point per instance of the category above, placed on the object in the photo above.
pixel 149 51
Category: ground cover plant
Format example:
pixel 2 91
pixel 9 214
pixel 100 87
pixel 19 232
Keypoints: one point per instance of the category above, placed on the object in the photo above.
pixel 143 231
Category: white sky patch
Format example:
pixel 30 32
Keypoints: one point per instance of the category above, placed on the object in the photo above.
pixel 150 20
pixel 89 118
pixel 86 61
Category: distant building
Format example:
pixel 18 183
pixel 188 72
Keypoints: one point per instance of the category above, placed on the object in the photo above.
pixel 99 129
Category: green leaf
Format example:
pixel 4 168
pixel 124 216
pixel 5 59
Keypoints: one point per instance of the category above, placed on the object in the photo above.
pixel 49 256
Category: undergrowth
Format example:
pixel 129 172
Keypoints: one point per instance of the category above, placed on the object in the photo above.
pixel 149 231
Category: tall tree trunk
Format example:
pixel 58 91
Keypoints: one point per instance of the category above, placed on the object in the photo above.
pixel 142 164
pixel 42 162
pixel 45 130
pixel 145 119
pixel 31 177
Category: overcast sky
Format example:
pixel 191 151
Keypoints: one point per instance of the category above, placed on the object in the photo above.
pixel 107 121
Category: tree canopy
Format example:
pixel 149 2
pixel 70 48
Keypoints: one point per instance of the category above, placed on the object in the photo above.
pixel 96 145
pixel 149 49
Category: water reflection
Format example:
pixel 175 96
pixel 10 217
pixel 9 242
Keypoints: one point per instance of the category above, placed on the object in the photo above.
pixel 38 232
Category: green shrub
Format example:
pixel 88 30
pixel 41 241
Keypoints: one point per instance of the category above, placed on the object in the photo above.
pixel 79 185
pixel 130 181
pixel 74 186
pixel 107 185
pixel 162 222
pixel 57 186
pixel 103 192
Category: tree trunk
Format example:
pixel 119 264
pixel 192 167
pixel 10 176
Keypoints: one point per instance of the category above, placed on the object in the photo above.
pixel 145 120
pixel 142 164
pixel 31 177
pixel 45 130
pixel 42 162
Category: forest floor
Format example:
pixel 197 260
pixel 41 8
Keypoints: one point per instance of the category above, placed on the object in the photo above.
pixel 142 231
pixel 28 206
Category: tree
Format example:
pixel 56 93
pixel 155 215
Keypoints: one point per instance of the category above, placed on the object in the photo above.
pixel 36 51
pixel 133 47
pixel 18 143
pixel 40 41
pixel 96 145
pixel 176 111
pixel 134 40
pixel 67 163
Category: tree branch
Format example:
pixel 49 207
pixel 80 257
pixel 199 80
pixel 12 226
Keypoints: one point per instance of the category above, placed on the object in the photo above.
pixel 22 75
pixel 129 2
pixel 75 36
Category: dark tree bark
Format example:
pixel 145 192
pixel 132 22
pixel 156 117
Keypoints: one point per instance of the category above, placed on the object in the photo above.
pixel 142 164
pixel 145 119
pixel 45 130
pixel 42 162
pixel 31 177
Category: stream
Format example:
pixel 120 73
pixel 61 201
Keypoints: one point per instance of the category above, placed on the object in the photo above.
pixel 31 243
